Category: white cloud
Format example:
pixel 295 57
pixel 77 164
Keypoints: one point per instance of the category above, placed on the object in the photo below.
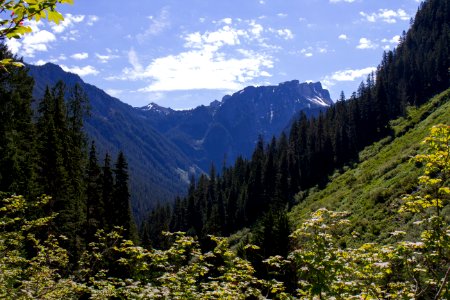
pixel 203 69
pixel 256 29
pixel 157 25
pixel 351 75
pixel 91 20
pixel 227 21
pixel 40 62
pixel 80 56
pixel 114 92
pixel 307 52
pixel 365 43
pixel 134 61
pixel 386 15
pixel 224 36
pixel 285 33
pixel 13 45
pixel 389 43
pixel 105 58
pixel 82 71
pixel 71 35
pixel 36 41
pixel 319 48
pixel 217 60
pixel 282 15
pixel 395 40
pixel 69 21
pixel 343 37
pixel 347 75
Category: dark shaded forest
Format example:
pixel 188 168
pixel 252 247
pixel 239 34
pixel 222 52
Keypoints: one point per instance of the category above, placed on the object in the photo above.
pixel 45 152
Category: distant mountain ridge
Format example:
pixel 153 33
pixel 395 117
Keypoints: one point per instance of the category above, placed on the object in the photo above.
pixel 164 147
pixel 229 128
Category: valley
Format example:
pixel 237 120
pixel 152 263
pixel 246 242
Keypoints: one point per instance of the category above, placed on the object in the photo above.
pixel 275 191
pixel 166 147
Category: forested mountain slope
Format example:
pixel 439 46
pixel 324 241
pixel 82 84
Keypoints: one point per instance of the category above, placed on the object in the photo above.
pixel 158 169
pixel 372 189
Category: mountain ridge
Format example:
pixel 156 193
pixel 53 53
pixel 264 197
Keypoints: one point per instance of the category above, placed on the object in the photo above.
pixel 239 119
pixel 165 147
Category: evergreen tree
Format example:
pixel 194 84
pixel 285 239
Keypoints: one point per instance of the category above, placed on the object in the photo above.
pixel 107 184
pixel 94 202
pixel 61 161
pixel 255 185
pixel 154 226
pixel 52 176
pixel 120 205
pixel 76 143
pixel 17 135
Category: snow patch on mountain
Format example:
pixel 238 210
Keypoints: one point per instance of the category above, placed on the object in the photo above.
pixel 156 108
pixel 318 100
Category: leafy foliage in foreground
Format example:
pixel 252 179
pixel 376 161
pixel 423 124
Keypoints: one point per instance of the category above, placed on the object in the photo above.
pixel 112 267
pixel 14 13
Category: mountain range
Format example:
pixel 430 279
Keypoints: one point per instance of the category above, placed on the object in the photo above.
pixel 230 128
pixel 164 147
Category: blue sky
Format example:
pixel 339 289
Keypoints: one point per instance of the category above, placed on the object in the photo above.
pixel 183 53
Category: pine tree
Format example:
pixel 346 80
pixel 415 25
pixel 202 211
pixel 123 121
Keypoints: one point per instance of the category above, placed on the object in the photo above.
pixel 156 223
pixel 94 202
pixel 52 176
pixel 61 160
pixel 255 185
pixel 17 135
pixel 121 199
pixel 76 143
pixel 107 184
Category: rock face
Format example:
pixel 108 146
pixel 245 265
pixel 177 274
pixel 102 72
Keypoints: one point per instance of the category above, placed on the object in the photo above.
pixel 165 146
pixel 229 128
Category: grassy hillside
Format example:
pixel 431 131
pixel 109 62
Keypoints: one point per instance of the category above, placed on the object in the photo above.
pixel 371 189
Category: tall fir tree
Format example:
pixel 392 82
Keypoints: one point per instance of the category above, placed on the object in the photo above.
pixel 52 176
pixel 121 199
pixel 94 202
pixel 107 185
pixel 17 132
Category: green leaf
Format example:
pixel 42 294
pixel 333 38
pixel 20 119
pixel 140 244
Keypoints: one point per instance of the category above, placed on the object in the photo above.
pixel 18 31
pixel 54 16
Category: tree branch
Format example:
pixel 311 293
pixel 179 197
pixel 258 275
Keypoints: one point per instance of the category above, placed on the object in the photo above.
pixel 441 289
